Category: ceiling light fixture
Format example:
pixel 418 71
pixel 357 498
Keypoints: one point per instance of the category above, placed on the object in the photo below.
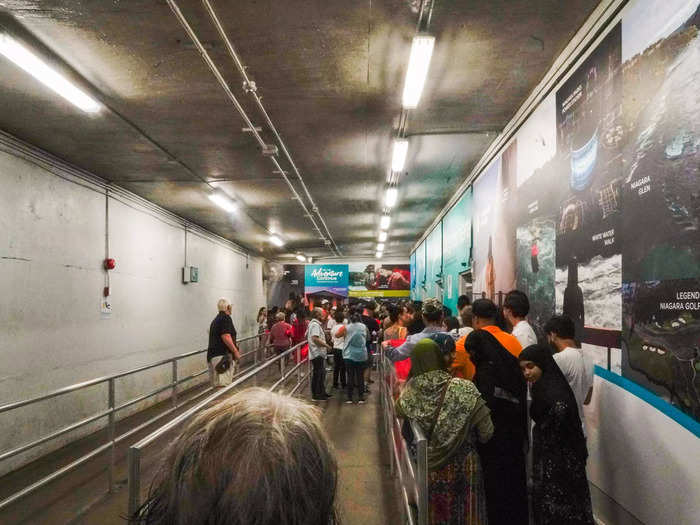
pixel 392 194
pixel 398 158
pixel 274 239
pixel 380 247
pixel 301 258
pixel 384 222
pixel 40 70
pixel 223 201
pixel 379 255
pixel 382 236
pixel 418 64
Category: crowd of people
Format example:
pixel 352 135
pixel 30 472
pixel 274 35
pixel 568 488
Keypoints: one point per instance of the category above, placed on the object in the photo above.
pixel 484 390
pixel 467 387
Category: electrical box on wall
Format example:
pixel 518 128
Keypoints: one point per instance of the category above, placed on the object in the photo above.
pixel 190 274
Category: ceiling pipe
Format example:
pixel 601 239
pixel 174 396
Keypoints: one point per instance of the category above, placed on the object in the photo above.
pixel 250 87
pixel 217 74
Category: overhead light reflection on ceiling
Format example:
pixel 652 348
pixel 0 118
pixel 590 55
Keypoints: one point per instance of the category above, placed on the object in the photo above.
pixel 41 71
pixel 222 201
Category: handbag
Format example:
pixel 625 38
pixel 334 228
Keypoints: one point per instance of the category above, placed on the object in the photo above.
pixel 224 364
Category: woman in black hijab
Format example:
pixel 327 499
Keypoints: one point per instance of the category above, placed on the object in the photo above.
pixel 560 491
pixel 500 381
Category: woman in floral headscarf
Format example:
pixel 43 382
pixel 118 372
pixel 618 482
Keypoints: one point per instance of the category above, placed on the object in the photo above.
pixel 453 416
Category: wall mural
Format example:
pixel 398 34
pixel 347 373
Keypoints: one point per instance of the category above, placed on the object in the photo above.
pixel 593 209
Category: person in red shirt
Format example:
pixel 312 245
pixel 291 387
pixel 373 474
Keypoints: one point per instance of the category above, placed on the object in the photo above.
pixel 281 334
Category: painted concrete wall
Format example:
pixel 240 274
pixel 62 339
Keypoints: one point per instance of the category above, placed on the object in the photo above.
pixel 641 457
pixel 52 332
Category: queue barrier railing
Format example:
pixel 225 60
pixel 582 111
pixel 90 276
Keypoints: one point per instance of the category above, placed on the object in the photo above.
pixel 255 355
pixel 410 470
pixel 135 455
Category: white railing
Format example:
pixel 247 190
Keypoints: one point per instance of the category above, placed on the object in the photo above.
pixel 411 472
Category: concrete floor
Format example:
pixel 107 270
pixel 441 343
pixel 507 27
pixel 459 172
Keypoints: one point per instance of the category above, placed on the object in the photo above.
pixel 366 492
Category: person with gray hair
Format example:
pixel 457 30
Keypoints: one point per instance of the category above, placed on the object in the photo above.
pixel 433 313
pixel 316 337
pixel 257 457
pixel 222 353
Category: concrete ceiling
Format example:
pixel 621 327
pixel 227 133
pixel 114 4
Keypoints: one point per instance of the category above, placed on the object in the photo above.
pixel 330 73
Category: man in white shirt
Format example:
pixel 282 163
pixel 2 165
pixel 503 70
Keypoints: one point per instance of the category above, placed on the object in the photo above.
pixel 316 338
pixel 578 371
pixel 515 309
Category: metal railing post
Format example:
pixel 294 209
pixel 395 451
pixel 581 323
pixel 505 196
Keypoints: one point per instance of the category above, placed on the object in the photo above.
pixel 173 392
pixel 298 354
pixel 422 480
pixel 111 430
pixel 134 480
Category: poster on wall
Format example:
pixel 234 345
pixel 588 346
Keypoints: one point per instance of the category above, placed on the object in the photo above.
pixel 326 280
pixel 283 282
pixel 661 339
pixel 433 263
pixel 661 200
pixel 540 189
pixel 494 229
pixel 589 134
pixel 661 186
pixel 412 270
pixel 379 280
pixel 456 247
pixel 420 272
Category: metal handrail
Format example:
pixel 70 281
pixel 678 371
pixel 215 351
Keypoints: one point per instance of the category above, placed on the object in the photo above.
pixel 412 473
pixel 111 412
pixel 78 386
pixel 134 456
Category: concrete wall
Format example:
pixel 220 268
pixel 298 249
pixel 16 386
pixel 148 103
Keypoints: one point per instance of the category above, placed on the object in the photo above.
pixel 52 331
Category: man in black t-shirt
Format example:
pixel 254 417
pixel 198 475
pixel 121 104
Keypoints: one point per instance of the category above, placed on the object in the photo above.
pixel 370 321
pixel 222 345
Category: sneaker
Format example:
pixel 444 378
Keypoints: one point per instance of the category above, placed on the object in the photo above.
pixel 348 401
pixel 361 401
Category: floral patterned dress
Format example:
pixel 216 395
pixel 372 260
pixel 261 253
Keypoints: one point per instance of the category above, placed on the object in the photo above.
pixel 455 483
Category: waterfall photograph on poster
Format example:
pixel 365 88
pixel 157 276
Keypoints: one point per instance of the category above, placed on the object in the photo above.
pixel 589 135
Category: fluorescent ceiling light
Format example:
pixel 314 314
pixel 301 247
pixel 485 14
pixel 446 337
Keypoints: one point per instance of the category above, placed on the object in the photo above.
pixel 391 195
pixel 309 260
pixel 382 236
pixel 379 255
pixel 301 258
pixel 276 240
pixel 384 222
pixel 418 64
pixel 380 247
pixel 40 70
pixel 222 201
pixel 398 158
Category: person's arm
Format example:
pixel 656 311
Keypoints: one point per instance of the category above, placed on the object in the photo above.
pixel 228 341
pixel 341 331
pixel 317 340
pixel 400 352
pixel 483 423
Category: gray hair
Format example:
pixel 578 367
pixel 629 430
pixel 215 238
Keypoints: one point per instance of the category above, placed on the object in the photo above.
pixel 257 457
pixel 223 304
pixel 280 316
pixel 318 313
